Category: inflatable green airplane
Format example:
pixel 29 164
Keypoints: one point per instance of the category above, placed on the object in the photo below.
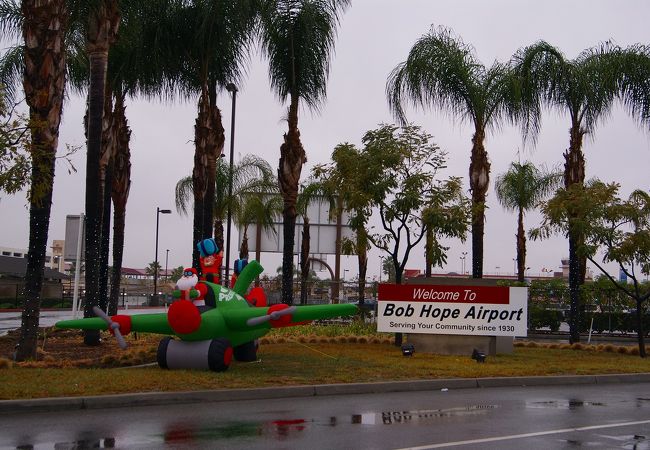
pixel 210 336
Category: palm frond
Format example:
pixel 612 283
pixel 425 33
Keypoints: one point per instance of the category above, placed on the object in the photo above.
pixel 11 73
pixel 11 20
pixel 297 37
pixel 441 71
pixel 184 195
pixel 523 186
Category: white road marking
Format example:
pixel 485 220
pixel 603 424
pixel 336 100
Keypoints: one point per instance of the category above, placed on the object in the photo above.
pixel 525 435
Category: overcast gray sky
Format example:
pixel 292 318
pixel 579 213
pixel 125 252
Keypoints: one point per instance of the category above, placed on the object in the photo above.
pixel 374 36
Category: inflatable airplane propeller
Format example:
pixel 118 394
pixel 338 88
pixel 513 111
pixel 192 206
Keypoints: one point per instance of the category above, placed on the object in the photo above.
pixel 209 336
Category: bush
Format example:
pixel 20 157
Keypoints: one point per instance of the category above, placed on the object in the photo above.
pixel 614 322
pixel 542 318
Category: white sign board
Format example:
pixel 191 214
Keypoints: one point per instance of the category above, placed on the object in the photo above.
pixel 322 232
pixel 464 310
pixel 72 224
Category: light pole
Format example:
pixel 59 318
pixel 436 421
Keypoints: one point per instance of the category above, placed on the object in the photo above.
pixel 154 299
pixel 230 87
pixel 462 262
pixel 166 261
pixel 514 261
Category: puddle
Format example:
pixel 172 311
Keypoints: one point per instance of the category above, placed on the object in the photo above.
pixel 423 415
pixel 562 404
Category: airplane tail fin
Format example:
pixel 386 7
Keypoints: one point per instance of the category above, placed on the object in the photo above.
pixel 246 277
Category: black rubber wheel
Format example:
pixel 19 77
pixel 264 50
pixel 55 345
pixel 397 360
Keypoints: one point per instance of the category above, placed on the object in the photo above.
pixel 219 355
pixel 161 354
pixel 246 352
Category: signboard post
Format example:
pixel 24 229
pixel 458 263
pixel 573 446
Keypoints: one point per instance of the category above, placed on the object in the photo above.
pixel 472 311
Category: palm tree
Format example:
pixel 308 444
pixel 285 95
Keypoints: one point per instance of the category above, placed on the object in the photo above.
pixel 210 43
pixel 251 174
pixel 103 19
pixel 586 88
pixel 346 180
pixel 442 72
pixel 128 75
pixel 312 191
pixel 298 39
pixel 43 25
pixel 520 189
pixel 260 209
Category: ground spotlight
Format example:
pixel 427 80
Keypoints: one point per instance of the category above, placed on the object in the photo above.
pixel 408 349
pixel 478 356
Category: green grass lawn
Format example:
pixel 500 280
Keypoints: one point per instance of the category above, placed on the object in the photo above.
pixel 302 363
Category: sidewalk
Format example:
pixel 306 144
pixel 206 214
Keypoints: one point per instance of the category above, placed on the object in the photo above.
pixel 225 395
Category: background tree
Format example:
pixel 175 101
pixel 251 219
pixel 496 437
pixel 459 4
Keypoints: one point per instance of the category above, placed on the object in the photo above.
pixel 521 188
pixel 586 89
pixel 298 39
pixel 409 163
pixel 262 210
pixel 15 163
pixel 312 192
pixel 153 268
pixel 388 270
pixel 346 178
pixel 619 228
pixel 446 214
pixel 176 274
pixel 442 72
pixel 251 174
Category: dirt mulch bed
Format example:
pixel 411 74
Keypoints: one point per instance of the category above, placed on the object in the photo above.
pixel 65 348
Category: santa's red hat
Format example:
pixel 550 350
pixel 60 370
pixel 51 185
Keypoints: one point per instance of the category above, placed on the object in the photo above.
pixel 189 272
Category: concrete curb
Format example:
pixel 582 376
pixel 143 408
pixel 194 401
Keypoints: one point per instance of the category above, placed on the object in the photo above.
pixel 172 398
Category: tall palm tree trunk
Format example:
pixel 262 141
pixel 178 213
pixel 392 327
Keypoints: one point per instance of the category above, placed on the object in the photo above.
pixel 362 259
pixel 120 193
pixel 106 179
pixel 214 142
pixel 336 286
pixel 521 247
pixel 292 157
pixel 102 32
pixel 479 179
pixel 428 252
pixel 44 83
pixel 200 173
pixel 243 249
pixel 574 173
pixel 304 261
pixel 258 248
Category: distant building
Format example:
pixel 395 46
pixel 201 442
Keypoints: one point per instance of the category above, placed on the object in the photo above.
pixel 53 259
pixel 12 278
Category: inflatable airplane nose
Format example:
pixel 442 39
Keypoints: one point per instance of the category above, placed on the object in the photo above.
pixel 183 317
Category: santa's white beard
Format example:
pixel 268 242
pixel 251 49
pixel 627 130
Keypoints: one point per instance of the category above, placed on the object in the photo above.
pixel 187 282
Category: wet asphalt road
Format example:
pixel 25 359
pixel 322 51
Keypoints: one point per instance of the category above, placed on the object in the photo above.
pixel 591 416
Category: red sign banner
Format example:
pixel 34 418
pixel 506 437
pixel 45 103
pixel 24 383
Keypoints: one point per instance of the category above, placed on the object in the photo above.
pixel 496 295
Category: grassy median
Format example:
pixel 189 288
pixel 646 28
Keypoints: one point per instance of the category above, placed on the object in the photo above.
pixel 299 356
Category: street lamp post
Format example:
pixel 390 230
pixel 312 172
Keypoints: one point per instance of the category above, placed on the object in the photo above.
pixel 166 261
pixel 154 299
pixel 230 87
pixel 462 261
